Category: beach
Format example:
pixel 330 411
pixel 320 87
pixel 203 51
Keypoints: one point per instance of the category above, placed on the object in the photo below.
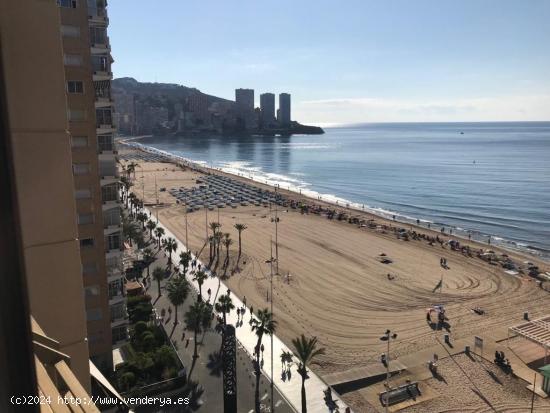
pixel 338 289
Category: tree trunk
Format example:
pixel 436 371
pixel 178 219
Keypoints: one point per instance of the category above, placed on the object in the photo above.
pixel 304 403
pixel 224 320
pixel 239 244
pixel 175 314
pixel 158 283
pixel 257 371
pixel 195 353
pixel 200 291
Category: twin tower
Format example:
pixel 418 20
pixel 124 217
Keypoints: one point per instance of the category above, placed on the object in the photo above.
pixel 264 117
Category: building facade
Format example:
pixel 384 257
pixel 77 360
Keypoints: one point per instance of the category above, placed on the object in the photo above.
pixel 283 113
pixel 42 159
pixel 87 60
pixel 267 109
pixel 244 107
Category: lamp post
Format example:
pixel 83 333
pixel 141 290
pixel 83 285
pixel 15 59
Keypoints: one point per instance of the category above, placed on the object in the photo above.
pixel 271 260
pixel 388 337
pixel 186 235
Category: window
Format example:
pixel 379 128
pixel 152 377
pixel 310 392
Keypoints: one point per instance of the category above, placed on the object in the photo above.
pixel 111 217
pixel 86 242
pixel 91 291
pixel 103 116
pixel 81 168
pixel 113 264
pixel 72 60
pixel 98 35
pixel 100 63
pixel 89 268
pixel 79 141
pixel 71 4
pixel 84 219
pixel 70 31
pixel 118 311
pixel 109 193
pixel 102 89
pixel 105 143
pixel 76 115
pixel 94 314
pixel 83 194
pixel 113 242
pixel 116 288
pixel 75 86
pixel 107 168
pixel 119 334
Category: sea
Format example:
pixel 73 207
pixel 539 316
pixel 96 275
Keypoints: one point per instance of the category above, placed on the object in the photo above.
pixel 489 181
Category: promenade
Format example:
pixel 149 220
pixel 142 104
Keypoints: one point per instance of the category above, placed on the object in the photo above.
pixel 290 390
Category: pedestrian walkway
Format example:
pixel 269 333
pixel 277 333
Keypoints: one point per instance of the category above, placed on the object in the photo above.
pixel 291 390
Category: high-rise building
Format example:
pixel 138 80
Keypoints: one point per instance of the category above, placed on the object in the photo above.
pixel 198 105
pixel 284 109
pixel 42 162
pixel 42 102
pixel 244 99
pixel 267 108
pixel 87 60
pixel 244 106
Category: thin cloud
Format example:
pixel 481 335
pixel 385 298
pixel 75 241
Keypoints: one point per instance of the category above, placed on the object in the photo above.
pixel 349 110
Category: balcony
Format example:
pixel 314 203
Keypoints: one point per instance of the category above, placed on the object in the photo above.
pixel 97 13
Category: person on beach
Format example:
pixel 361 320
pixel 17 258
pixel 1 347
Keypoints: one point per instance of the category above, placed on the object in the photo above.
pixel 209 291
pixel 244 300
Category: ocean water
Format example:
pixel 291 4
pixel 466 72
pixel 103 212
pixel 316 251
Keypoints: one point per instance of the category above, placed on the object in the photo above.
pixel 485 179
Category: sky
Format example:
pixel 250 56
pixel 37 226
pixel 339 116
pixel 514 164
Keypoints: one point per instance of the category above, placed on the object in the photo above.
pixel 347 61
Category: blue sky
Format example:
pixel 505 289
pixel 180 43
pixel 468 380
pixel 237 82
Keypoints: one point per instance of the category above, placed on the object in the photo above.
pixel 348 61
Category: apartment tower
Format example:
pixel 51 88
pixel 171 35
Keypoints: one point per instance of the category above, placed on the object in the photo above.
pixel 87 61
pixel 283 114
pixel 244 103
pixel 267 108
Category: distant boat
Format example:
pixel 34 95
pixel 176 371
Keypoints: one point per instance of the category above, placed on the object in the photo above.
pixel 462 133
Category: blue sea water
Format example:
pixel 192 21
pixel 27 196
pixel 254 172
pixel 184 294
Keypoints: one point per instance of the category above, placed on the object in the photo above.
pixel 484 178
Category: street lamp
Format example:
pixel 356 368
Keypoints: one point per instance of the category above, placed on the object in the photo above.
pixel 271 261
pixel 388 337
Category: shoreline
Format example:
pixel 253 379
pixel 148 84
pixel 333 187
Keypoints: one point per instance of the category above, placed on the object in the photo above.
pixel 345 205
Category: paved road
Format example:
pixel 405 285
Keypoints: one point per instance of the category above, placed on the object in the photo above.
pixel 204 369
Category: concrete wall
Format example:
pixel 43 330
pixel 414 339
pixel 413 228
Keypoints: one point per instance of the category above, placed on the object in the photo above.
pixel 32 54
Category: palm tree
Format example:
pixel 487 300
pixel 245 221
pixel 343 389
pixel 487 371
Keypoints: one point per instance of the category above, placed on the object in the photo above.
pixel 197 319
pixel 148 259
pixel 263 324
pixel 211 245
pixel 200 277
pixel 240 228
pixel 151 225
pixel 178 289
pixel 306 350
pixel 170 246
pixel 214 226
pixel 159 232
pixel 227 242
pixel 185 259
pixel 131 168
pixel 142 217
pixel 224 306
pixel 158 274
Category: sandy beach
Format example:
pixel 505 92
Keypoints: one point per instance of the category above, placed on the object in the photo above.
pixel 338 289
